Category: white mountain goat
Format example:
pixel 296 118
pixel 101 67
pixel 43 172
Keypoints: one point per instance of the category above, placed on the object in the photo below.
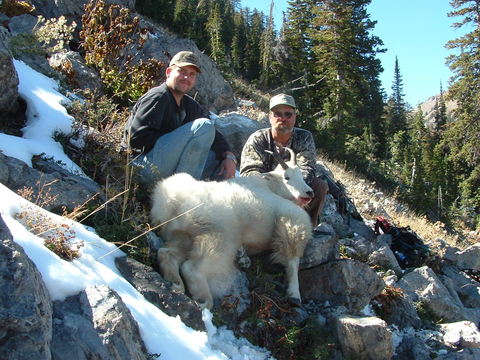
pixel 258 212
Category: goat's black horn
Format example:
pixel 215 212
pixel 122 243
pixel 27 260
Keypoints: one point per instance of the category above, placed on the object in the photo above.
pixel 279 159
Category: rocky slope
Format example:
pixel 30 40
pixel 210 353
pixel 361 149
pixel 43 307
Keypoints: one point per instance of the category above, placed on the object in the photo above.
pixel 359 301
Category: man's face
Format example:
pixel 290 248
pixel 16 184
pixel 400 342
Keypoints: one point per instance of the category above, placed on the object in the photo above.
pixel 181 79
pixel 282 118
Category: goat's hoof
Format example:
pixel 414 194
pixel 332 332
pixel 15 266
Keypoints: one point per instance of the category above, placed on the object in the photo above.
pixel 178 287
pixel 204 304
pixel 295 302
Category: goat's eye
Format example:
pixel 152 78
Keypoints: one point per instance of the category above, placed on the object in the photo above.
pixel 286 178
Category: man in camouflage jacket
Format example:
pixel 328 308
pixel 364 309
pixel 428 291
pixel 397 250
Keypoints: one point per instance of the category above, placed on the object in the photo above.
pixel 283 133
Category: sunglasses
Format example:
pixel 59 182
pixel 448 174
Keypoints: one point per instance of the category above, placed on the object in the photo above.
pixel 284 115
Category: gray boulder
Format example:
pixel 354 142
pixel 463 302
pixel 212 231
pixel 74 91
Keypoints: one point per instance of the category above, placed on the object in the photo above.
pixel 158 291
pixel 236 128
pixel 465 354
pixel 35 58
pixel 22 24
pixel 397 310
pixel 95 324
pixel 363 337
pixel 25 305
pixel 320 250
pixel 469 259
pixel 8 77
pixel 63 189
pixel 56 8
pixel 423 286
pixel 81 76
pixel 412 347
pixel 467 288
pixel 462 335
pixel 385 258
pixel 347 283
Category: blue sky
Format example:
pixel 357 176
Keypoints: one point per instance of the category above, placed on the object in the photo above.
pixel 415 31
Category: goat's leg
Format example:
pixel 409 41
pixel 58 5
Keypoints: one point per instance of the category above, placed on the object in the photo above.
pixel 292 232
pixel 197 284
pixel 169 265
pixel 291 272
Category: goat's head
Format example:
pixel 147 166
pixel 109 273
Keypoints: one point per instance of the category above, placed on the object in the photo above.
pixel 295 188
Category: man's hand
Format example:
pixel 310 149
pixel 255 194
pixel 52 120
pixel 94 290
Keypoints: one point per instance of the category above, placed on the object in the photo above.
pixel 227 166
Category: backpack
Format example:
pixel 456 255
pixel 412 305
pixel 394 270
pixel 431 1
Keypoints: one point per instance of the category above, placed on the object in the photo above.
pixel 407 246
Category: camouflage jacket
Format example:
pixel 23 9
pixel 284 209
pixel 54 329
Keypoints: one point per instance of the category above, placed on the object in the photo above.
pixel 256 160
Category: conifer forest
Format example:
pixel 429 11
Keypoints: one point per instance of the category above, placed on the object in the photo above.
pixel 325 55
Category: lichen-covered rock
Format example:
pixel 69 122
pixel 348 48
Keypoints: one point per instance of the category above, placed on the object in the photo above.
pixel 363 338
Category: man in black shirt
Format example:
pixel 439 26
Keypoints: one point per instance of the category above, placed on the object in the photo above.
pixel 170 132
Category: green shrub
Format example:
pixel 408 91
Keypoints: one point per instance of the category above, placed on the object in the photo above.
pixel 25 44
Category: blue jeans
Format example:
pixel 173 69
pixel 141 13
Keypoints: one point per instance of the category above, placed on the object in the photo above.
pixel 185 149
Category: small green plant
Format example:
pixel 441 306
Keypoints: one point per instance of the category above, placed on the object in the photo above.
pixel 25 44
pixel 426 313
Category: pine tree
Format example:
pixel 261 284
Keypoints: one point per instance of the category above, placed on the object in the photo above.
pixel 397 112
pixel 255 27
pixel 296 30
pixel 239 44
pixel 214 27
pixel 160 11
pixel 462 136
pixel 199 25
pixel 182 17
pixel 346 65
pixel 267 47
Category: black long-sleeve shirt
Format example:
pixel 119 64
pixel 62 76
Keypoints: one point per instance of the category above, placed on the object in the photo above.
pixel 156 113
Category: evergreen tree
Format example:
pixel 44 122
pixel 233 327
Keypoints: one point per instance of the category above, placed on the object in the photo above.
pixel 183 15
pixel 346 64
pixel 214 28
pixel 228 25
pixel 397 112
pixel 239 44
pixel 439 116
pixel 421 148
pixel 160 11
pixel 296 30
pixel 255 28
pixel 267 47
pixel 199 25
pixel 462 136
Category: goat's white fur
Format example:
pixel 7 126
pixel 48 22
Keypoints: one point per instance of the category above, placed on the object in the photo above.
pixel 255 212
